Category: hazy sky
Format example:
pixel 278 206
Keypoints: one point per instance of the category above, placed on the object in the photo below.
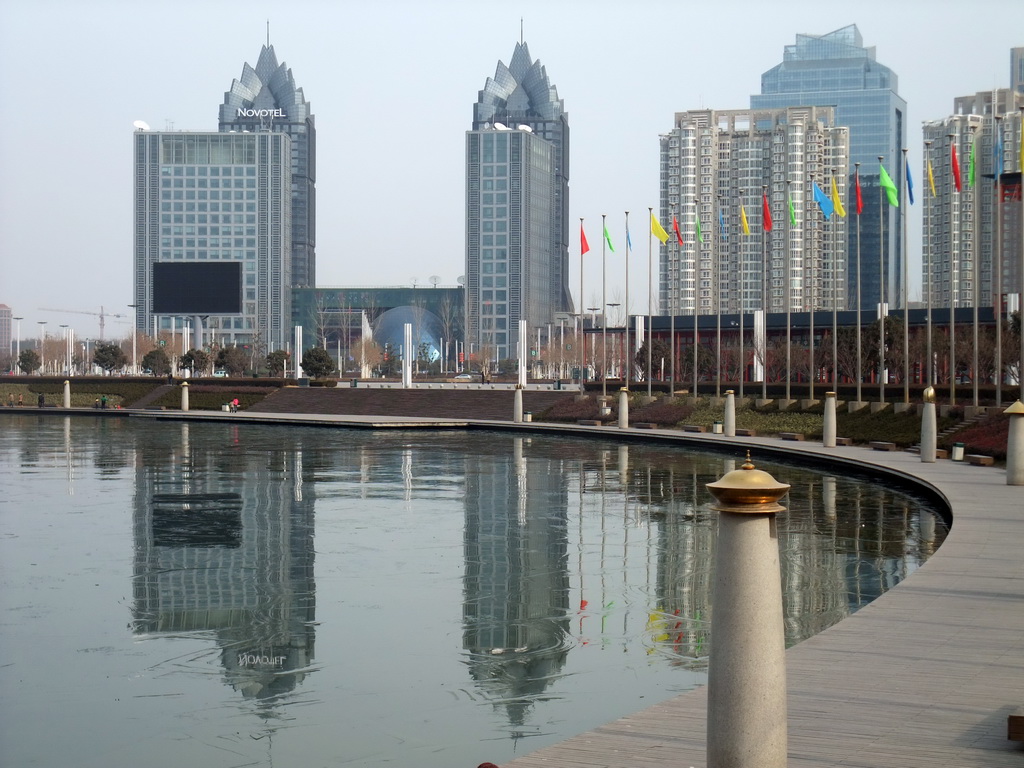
pixel 392 85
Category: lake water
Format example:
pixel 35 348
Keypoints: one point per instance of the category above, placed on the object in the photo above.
pixel 237 595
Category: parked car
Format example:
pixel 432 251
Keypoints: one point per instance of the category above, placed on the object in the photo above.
pixel 462 378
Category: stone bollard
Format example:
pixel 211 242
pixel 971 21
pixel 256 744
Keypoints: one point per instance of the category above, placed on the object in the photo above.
pixel 184 395
pixel 929 427
pixel 517 405
pixel 730 414
pixel 828 432
pixel 67 393
pixel 1015 445
pixel 623 408
pixel 747 721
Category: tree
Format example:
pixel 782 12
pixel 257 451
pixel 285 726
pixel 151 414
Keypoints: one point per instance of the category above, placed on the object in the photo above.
pixel 156 362
pixel 277 362
pixel 316 362
pixel 659 351
pixel 29 361
pixel 196 360
pixel 109 356
pixel 233 360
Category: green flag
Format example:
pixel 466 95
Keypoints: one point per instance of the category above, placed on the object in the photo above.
pixel 696 219
pixel 608 239
pixel 888 186
pixel 792 214
pixel 972 173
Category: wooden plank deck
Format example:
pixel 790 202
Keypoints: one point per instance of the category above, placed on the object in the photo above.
pixel 924 676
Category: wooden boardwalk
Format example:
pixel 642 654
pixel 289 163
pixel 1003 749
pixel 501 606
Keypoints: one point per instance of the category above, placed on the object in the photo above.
pixel 924 676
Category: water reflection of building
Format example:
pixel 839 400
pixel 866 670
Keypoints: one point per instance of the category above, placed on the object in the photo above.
pixel 515 614
pixel 226 546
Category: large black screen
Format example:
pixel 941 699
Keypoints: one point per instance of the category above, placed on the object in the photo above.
pixel 197 288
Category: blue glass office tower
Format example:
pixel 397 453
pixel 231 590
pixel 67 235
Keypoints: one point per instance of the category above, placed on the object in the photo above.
pixel 265 98
pixel 837 70
pixel 522 94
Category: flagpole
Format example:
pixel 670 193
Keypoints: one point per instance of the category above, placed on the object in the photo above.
pixel 812 368
pixel 835 299
pixel 789 293
pixel 975 257
pixel 906 276
pixel 581 338
pixel 860 331
pixel 952 290
pixel 927 263
pixel 883 310
pixel 764 312
pixel 650 306
pixel 604 313
pixel 696 291
pixel 739 307
pixel 1020 267
pixel 997 256
pixel 718 305
pixel 627 356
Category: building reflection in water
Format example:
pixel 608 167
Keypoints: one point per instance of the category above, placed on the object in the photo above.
pixel 224 543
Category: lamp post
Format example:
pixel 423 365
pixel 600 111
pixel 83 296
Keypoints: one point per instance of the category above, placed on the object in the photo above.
pixel 135 336
pixel 17 340
pixel 42 344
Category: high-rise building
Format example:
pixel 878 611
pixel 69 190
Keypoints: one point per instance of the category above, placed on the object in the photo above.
pixel 837 70
pixel 718 167
pixel 1017 69
pixel 217 197
pixel 972 234
pixel 510 191
pixel 522 94
pixel 267 99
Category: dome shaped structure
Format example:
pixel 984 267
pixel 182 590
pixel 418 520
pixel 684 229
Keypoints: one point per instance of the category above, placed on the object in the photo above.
pixel 426 329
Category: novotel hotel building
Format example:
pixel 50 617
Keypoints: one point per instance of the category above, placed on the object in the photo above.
pixel 215 198
pixel 265 98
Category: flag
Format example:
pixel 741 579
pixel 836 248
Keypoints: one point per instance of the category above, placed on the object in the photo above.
pixel 743 220
pixel 910 182
pixel 696 221
pixel 721 225
pixel 836 201
pixel 584 247
pixel 860 198
pixel 608 239
pixel 997 152
pixel 827 209
pixel 888 186
pixel 766 214
pixel 658 231
pixel 931 178
pixel 629 241
pixel 956 169
pixel 675 227
pixel 972 170
pixel 792 214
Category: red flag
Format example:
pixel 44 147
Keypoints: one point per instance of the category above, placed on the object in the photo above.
pixel 956 169
pixel 584 246
pixel 675 227
pixel 766 214
pixel 860 200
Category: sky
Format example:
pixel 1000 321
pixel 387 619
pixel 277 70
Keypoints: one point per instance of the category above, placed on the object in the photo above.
pixel 392 85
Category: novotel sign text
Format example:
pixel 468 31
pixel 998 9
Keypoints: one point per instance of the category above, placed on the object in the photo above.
pixel 242 112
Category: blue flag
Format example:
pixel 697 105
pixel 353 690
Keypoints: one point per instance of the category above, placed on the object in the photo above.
pixel 824 201
pixel 721 224
pixel 910 184
pixel 629 241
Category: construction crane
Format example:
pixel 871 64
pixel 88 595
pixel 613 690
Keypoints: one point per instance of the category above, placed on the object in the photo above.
pixel 102 315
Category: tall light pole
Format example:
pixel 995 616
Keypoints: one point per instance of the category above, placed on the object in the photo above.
pixel 135 336
pixel 42 344
pixel 17 340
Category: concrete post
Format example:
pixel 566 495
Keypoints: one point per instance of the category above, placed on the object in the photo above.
pixel 517 406
pixel 184 395
pixel 67 393
pixel 729 421
pixel 1015 445
pixel 828 433
pixel 929 427
pixel 747 721
pixel 623 408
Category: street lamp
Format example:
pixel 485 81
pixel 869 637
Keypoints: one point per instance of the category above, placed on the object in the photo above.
pixel 17 340
pixel 42 342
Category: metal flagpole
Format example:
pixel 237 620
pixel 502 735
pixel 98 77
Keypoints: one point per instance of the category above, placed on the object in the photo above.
pixel 696 290
pixel 627 355
pixel 1020 266
pixel 952 289
pixel 926 260
pixel 581 338
pixel 860 328
pixel 764 316
pixel 882 308
pixel 604 313
pixel 834 261
pixel 718 305
pixel 789 294
pixel 905 296
pixel 650 306
pixel 975 258
pixel 997 255
pixel 812 367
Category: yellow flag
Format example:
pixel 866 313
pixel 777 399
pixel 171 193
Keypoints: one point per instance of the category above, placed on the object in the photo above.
pixel 658 231
pixel 743 221
pixel 931 178
pixel 836 202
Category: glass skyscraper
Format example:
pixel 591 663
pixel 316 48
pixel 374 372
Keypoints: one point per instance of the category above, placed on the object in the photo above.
pixel 522 94
pixel 837 70
pixel 267 99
